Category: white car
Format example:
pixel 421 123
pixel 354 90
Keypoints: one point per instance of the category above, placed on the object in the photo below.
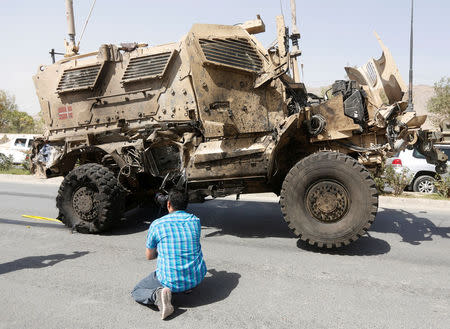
pixel 423 174
pixel 17 146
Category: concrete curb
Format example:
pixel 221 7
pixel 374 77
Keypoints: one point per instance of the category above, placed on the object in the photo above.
pixel 384 201
pixel 29 179
pixel 397 202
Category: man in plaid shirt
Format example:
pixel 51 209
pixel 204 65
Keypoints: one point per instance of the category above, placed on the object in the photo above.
pixel 174 240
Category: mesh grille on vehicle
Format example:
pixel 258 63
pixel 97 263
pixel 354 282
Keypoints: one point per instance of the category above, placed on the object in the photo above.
pixel 232 52
pixel 371 74
pixel 79 78
pixel 146 67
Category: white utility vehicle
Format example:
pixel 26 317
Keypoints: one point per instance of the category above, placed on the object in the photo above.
pixel 16 146
pixel 423 174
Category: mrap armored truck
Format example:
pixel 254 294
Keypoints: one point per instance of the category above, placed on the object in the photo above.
pixel 217 114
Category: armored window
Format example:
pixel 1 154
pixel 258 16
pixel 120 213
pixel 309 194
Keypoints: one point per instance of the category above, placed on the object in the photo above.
pixel 232 52
pixel 146 67
pixel 79 78
pixel 371 73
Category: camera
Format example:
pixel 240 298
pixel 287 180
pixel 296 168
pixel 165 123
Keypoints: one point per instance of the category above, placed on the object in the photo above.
pixel 161 199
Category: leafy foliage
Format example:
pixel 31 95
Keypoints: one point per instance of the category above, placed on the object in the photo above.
pixel 440 103
pixel 11 119
pixel 397 180
pixel 379 179
pixel 442 185
pixel 6 163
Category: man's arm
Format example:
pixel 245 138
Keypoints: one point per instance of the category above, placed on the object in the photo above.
pixel 151 253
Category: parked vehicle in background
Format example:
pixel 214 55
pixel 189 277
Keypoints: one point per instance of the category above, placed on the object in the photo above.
pixel 17 146
pixel 423 174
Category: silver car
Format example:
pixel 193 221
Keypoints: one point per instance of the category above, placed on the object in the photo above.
pixel 423 174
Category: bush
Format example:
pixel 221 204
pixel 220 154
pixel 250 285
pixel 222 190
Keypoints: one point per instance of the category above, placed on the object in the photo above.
pixel 6 163
pixel 442 185
pixel 379 179
pixel 26 164
pixel 396 180
pixel 379 184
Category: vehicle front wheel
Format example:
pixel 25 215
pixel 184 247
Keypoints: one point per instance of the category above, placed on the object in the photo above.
pixel 328 199
pixel 90 199
pixel 424 184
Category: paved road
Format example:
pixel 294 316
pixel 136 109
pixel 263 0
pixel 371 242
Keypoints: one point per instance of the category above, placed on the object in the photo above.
pixel 260 276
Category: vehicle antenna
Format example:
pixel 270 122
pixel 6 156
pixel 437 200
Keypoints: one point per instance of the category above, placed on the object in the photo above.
pixel 410 107
pixel 86 23
pixel 295 35
pixel 71 48
pixel 281 8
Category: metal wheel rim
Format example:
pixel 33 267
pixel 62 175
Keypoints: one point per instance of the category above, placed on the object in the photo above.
pixel 84 202
pixel 426 186
pixel 327 201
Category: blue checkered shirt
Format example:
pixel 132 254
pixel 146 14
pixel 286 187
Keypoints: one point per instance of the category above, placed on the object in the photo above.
pixel 180 264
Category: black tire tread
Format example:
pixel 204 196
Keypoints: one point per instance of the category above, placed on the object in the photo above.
pixel 333 156
pixel 110 195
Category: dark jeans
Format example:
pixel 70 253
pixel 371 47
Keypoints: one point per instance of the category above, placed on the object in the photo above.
pixel 145 290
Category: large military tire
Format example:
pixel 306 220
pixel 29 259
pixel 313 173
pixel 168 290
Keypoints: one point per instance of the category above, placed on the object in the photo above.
pixel 329 199
pixel 90 199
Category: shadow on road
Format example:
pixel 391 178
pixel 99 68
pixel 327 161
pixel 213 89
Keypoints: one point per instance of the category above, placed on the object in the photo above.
pixel 245 219
pixel 364 246
pixel 249 219
pixel 37 261
pixel 411 228
pixel 36 223
pixel 215 287
pixel 136 220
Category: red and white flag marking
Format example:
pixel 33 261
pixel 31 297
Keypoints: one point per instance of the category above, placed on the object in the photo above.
pixel 65 112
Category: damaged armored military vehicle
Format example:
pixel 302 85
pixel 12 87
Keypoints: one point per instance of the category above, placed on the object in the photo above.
pixel 218 114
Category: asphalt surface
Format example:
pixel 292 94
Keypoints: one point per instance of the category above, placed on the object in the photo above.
pixel 260 275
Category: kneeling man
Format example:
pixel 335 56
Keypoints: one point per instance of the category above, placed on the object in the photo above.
pixel 174 240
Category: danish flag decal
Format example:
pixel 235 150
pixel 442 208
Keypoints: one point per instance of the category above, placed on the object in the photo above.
pixel 65 112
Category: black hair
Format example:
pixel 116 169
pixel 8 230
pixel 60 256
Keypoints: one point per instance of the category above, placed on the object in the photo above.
pixel 178 199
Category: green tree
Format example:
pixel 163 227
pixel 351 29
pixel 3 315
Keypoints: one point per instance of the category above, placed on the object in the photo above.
pixel 439 104
pixel 21 122
pixel 7 105
pixel 11 119
pixel 39 123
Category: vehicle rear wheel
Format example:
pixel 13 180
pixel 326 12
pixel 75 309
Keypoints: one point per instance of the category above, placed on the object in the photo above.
pixel 424 184
pixel 90 199
pixel 329 199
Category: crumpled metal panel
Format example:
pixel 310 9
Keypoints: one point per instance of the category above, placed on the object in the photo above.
pixel 380 78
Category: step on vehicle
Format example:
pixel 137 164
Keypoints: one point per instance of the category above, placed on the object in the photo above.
pixel 218 114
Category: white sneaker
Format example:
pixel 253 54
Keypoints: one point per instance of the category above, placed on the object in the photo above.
pixel 164 302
